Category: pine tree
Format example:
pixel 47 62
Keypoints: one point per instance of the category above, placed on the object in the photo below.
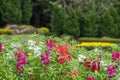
pixel 108 27
pixel 92 20
pixel 81 20
pixel 58 19
pixel 26 8
pixel 10 11
pixel 71 24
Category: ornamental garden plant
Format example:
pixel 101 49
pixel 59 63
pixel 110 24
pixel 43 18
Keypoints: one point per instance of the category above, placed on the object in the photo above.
pixel 36 57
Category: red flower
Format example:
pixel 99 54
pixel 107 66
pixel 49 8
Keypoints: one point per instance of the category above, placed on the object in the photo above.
pixel 91 78
pixel 62 59
pixel 0 47
pixel 115 56
pixel 62 49
pixel 31 75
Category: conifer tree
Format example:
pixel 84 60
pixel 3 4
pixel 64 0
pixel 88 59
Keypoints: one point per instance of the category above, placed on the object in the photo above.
pixel 26 8
pixel 10 11
pixel 108 27
pixel 71 24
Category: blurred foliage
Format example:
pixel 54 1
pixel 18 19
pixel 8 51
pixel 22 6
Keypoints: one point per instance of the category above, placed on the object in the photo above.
pixel 5 31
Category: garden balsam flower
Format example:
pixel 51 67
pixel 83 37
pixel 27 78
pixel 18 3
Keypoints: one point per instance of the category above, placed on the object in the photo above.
pixel 21 62
pixel 115 56
pixel 63 54
pixel 50 44
pixel 95 65
pixel 111 71
pixel 0 47
pixel 81 58
pixel 45 58
pixel 91 78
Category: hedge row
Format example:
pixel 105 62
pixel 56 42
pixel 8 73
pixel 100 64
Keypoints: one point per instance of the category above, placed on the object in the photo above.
pixel 113 40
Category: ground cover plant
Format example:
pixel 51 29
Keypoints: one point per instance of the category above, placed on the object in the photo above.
pixel 35 57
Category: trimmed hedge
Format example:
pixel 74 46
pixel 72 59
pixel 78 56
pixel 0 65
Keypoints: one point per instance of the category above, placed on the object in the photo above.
pixel 113 40
pixel 5 31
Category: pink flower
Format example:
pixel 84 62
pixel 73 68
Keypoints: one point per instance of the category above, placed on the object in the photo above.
pixel 21 62
pixel 95 66
pixel 0 47
pixel 50 44
pixel 91 78
pixel 115 56
pixel 111 71
pixel 45 58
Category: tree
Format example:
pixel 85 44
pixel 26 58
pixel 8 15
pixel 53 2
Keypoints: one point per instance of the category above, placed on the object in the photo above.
pixel 108 27
pixel 92 20
pixel 58 19
pixel 71 23
pixel 26 8
pixel 10 11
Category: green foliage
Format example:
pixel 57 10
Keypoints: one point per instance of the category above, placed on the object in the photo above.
pixel 92 20
pixel 26 9
pixel 5 31
pixel 108 27
pixel 58 19
pixel 71 24
pixel 10 11
pixel 86 39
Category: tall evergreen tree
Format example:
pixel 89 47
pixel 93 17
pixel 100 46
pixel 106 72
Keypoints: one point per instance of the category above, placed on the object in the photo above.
pixel 58 19
pixel 26 8
pixel 92 20
pixel 10 11
pixel 108 27
pixel 71 24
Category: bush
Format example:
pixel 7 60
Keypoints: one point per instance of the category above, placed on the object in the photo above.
pixel 113 40
pixel 5 31
pixel 24 29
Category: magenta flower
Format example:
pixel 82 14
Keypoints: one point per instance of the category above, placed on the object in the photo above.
pixel 95 66
pixel 115 56
pixel 111 71
pixel 45 58
pixel 21 62
pixel 50 44
pixel 91 78
pixel 0 47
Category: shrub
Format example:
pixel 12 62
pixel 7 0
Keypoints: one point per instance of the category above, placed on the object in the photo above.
pixel 113 40
pixel 45 29
pixel 5 31
pixel 25 29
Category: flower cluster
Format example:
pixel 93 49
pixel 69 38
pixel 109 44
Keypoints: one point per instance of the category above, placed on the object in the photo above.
pixel 73 72
pixel 115 56
pixel 95 65
pixel 111 71
pixel 0 47
pixel 91 78
pixel 45 58
pixel 63 54
pixel 21 61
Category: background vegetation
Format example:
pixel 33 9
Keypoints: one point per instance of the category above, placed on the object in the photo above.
pixel 78 18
